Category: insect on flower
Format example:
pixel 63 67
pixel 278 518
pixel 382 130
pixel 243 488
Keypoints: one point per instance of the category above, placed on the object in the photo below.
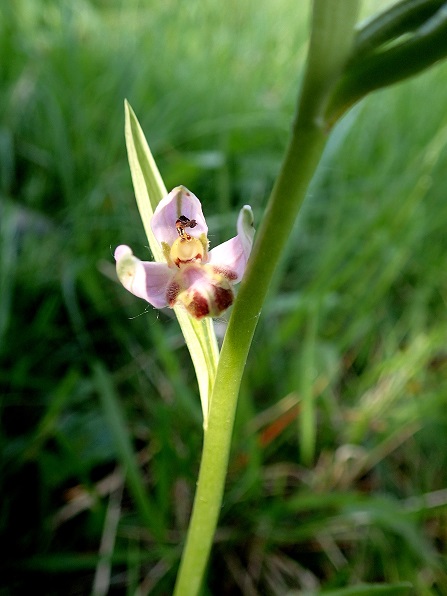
pixel 193 277
pixel 182 223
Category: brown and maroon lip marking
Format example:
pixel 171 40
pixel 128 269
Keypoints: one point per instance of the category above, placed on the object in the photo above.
pixel 192 260
pixel 199 307
pixel 228 273
pixel 172 293
pixel 223 298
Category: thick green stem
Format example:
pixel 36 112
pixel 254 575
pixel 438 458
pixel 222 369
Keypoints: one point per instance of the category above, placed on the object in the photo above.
pixel 234 353
pixel 331 38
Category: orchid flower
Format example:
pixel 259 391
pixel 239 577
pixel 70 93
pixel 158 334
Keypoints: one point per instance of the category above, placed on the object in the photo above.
pixel 191 276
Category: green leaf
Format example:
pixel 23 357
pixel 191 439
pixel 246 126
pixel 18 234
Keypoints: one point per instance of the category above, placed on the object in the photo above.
pixel 149 190
pixel 398 19
pixel 379 59
pixel 147 181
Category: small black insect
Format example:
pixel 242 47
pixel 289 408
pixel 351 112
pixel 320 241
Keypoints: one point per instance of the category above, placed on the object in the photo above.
pixel 182 223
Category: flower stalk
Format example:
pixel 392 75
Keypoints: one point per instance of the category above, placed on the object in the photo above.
pixel 331 38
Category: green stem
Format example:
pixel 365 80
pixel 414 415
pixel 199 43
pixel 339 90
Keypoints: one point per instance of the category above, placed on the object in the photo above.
pixel 330 43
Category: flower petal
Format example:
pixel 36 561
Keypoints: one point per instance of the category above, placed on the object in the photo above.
pixel 147 280
pixel 179 201
pixel 203 291
pixel 230 258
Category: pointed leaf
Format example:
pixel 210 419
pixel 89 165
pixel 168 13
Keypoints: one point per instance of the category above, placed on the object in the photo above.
pixel 149 191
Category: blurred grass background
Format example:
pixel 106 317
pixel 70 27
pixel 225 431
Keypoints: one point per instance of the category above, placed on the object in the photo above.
pixel 339 467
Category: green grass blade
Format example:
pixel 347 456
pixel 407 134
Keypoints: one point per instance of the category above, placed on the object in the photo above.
pixel 8 263
pixel 118 426
pixel 307 420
